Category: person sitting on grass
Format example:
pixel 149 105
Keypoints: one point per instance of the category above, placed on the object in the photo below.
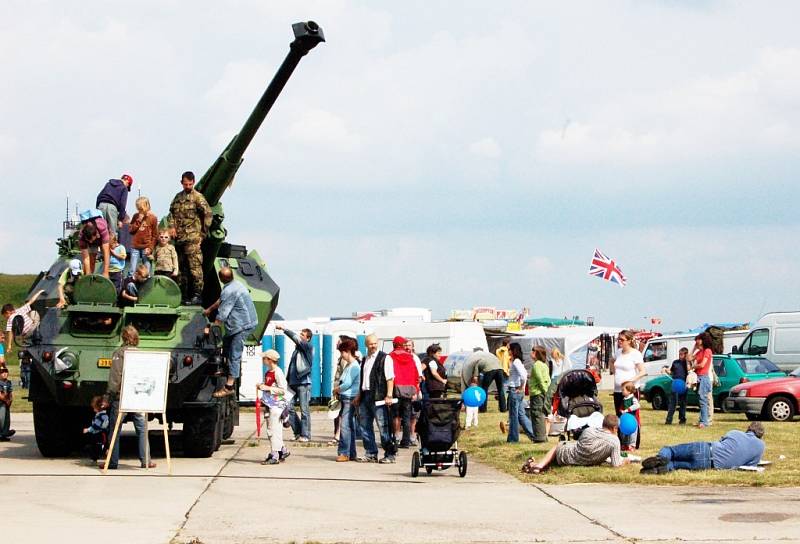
pixel 732 451
pixel 592 448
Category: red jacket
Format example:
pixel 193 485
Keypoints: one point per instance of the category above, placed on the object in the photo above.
pixel 405 370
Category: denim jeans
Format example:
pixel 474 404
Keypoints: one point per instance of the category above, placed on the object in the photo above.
pixel 690 456
pixel 703 389
pixel 232 346
pixel 679 401
pixel 138 425
pixel 366 422
pixel 497 377
pixel 517 417
pixel 301 425
pixel 25 375
pixel 138 256
pixel 384 420
pixel 5 419
pixel 347 432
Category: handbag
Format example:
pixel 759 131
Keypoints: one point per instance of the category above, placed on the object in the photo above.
pixel 405 391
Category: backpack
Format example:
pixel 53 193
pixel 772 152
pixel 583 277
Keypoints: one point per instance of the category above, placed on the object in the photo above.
pixel 716 334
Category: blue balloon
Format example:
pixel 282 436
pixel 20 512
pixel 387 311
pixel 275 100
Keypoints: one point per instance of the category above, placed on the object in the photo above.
pixel 679 387
pixel 628 424
pixel 474 396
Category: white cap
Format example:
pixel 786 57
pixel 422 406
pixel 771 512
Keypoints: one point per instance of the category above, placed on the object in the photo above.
pixel 75 266
pixel 270 354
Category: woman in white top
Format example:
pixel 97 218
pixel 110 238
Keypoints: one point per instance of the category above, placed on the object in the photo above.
pixel 628 366
pixel 274 391
pixel 516 393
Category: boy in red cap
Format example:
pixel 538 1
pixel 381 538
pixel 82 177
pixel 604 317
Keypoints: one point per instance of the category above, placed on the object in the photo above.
pixel 112 200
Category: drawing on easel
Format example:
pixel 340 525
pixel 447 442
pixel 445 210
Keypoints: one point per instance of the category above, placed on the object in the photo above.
pixel 144 381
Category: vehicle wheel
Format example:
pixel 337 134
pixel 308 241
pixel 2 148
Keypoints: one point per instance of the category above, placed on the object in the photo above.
pixel 231 406
pixel 462 464
pixel 429 470
pixel 57 429
pixel 200 431
pixel 658 399
pixel 415 464
pixel 779 409
pixel 753 417
pixel 720 403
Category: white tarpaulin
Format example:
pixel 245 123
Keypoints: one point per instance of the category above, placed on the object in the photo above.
pixel 573 342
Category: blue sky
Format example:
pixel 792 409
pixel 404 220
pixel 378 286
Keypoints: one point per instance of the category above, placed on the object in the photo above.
pixel 434 157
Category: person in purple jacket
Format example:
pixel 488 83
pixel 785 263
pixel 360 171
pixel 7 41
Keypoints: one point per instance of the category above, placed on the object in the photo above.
pixel 112 200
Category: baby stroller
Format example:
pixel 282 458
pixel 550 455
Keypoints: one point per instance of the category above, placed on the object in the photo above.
pixel 438 427
pixel 576 400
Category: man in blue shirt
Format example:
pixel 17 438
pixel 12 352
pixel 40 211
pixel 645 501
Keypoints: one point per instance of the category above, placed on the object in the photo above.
pixel 733 450
pixel 299 379
pixel 238 313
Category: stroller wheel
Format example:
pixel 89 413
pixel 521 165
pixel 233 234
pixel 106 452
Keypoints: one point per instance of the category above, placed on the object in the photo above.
pixel 415 464
pixel 462 464
pixel 429 470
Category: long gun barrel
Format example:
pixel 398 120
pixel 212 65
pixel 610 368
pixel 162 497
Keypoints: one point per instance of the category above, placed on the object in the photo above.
pixel 219 177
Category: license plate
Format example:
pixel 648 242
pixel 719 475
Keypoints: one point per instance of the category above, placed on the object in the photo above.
pixel 104 363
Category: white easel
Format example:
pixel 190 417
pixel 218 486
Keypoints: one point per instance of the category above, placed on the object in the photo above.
pixel 143 391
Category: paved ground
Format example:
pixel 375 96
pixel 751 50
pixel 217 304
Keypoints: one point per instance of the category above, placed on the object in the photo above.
pixel 232 498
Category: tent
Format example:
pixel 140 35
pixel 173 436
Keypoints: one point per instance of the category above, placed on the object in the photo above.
pixel 552 322
pixel 573 342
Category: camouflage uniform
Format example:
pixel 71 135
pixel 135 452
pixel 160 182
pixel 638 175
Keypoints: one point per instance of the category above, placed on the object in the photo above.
pixel 190 215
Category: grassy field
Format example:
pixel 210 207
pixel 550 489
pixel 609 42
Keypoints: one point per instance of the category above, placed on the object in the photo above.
pixel 13 288
pixel 487 444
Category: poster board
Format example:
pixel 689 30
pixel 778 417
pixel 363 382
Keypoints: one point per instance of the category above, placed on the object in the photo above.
pixel 145 376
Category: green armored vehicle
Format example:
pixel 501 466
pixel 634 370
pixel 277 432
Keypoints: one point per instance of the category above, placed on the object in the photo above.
pixel 71 350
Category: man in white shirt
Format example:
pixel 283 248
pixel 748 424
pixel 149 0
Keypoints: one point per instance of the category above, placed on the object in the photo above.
pixel 374 400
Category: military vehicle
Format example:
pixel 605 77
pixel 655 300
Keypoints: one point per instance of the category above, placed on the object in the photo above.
pixel 71 350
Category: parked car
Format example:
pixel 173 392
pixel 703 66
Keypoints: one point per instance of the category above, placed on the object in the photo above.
pixel 777 399
pixel 731 370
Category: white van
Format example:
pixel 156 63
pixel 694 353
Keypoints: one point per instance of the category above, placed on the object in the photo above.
pixel 659 352
pixel 452 336
pixel 776 336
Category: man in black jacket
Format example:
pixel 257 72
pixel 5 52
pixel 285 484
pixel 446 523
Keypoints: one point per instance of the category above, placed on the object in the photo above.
pixel 374 400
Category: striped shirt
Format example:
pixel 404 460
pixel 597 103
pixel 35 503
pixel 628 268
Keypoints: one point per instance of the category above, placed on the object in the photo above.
pixel 592 448
pixel 25 312
pixel 518 375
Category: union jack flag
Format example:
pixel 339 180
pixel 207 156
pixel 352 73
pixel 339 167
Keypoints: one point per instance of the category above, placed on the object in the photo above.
pixel 606 268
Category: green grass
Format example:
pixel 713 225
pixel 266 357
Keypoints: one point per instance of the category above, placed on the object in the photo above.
pixel 13 288
pixel 488 445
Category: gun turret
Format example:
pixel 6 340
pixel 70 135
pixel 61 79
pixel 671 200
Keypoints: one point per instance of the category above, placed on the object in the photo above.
pixel 220 176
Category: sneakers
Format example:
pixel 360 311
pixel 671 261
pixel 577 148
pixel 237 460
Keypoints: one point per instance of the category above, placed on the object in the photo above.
pixel 283 454
pixel 302 439
pixel 270 460
pixel 654 461
pixel 102 465
pixel 11 433
pixel 342 458
pixel 654 470
pixel 151 465
pixel 368 459
pixel 388 460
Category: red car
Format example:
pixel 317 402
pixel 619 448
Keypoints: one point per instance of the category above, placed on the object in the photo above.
pixel 776 399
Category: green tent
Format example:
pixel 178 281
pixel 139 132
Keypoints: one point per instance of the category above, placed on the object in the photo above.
pixel 552 322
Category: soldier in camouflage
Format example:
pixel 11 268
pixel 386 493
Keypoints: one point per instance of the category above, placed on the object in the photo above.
pixel 189 221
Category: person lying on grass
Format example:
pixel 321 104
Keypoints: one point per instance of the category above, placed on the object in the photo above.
pixel 592 448
pixel 732 451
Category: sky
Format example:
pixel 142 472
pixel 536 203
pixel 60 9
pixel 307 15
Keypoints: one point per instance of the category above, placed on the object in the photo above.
pixel 432 156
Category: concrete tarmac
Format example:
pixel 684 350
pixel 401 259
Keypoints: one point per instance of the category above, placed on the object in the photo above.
pixel 232 498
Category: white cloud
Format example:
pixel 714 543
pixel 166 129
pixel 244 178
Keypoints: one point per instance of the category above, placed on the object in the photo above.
pixel 710 116
pixel 319 128
pixel 487 147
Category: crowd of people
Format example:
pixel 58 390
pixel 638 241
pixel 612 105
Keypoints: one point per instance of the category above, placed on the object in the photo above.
pixel 172 251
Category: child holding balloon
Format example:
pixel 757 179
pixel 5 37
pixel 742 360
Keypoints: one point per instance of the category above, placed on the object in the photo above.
pixel 630 405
